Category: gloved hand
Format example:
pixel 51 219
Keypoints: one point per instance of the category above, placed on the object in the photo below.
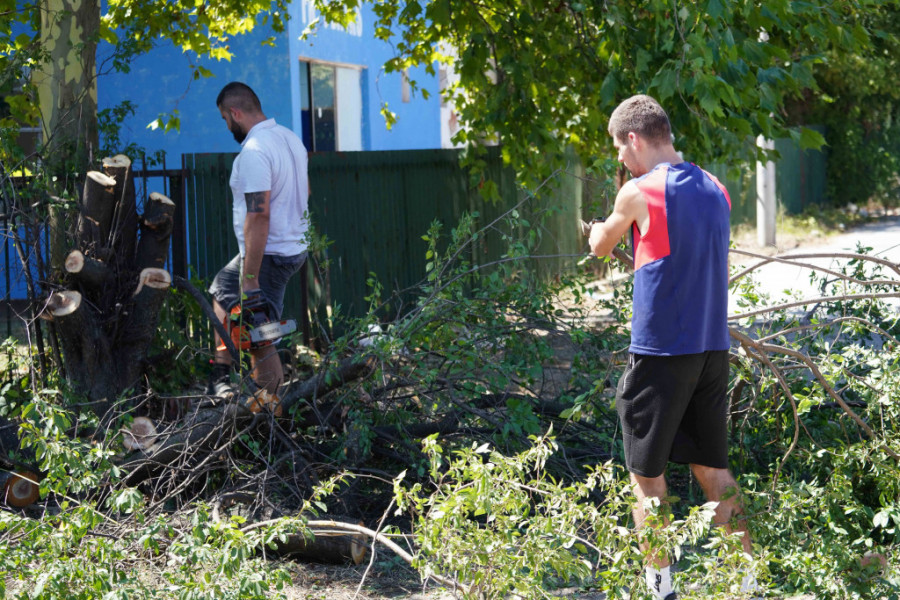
pixel 256 307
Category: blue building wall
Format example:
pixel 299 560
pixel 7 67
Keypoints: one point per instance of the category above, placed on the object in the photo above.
pixel 161 82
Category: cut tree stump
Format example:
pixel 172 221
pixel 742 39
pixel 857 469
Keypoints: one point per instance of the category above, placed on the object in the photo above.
pixel 92 273
pixel 19 489
pixel 107 307
pixel 156 229
pixel 125 217
pixel 98 205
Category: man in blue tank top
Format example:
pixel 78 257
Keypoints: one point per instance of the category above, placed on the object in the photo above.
pixel 671 399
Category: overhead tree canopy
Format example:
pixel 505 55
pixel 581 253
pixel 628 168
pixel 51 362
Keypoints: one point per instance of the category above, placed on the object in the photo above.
pixel 539 76
pixel 56 41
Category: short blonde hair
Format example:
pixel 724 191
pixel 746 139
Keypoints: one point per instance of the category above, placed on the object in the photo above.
pixel 644 116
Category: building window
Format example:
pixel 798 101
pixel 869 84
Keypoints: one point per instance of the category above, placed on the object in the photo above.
pixel 330 107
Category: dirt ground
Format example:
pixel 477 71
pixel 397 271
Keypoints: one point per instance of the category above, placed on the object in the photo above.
pixel 321 582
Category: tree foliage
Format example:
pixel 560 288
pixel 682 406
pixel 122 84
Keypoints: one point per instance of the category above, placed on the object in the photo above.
pixel 467 424
pixel 538 76
pixel 31 31
pixel 860 107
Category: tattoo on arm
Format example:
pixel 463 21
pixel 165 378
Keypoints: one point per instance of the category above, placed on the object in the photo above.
pixel 255 201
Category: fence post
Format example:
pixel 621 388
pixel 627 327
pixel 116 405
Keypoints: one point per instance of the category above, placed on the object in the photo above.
pixel 766 205
pixel 179 231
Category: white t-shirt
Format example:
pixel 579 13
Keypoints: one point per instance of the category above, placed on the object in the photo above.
pixel 273 159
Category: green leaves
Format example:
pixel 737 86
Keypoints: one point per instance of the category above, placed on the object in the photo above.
pixel 808 138
pixel 534 77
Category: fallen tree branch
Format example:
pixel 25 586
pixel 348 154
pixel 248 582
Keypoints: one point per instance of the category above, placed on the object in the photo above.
pixel 375 536
pixel 762 349
pixel 754 350
pixel 198 435
pixel 791 259
pixel 326 380
pixel 818 300
pixel 836 321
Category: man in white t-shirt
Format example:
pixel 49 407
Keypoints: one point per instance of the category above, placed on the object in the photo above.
pixel 270 186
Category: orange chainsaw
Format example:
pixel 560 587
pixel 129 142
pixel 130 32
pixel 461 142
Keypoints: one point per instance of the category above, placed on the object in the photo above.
pixel 251 325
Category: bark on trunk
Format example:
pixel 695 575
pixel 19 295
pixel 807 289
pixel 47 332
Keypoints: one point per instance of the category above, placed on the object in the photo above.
pixel 156 229
pixel 109 315
pixel 98 205
pixel 87 271
pixel 140 324
pixel 67 83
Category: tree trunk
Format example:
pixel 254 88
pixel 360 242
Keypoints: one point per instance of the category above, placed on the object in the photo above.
pixel 86 350
pixel 156 229
pixel 108 310
pixel 140 324
pixel 67 83
pixel 125 218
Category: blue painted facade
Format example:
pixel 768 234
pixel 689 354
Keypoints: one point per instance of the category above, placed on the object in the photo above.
pixel 161 82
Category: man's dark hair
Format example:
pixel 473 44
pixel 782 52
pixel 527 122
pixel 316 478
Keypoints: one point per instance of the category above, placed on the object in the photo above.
pixel 642 115
pixel 239 95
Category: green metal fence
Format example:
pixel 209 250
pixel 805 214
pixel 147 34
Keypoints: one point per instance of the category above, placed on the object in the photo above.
pixel 374 208
pixel 799 181
pixel 208 234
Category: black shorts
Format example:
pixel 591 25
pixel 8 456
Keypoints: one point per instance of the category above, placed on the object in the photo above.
pixel 674 408
pixel 274 273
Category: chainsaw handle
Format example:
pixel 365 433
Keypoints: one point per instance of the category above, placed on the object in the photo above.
pixel 255 300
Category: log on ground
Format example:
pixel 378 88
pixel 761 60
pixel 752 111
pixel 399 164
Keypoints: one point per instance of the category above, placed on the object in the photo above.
pixel 324 545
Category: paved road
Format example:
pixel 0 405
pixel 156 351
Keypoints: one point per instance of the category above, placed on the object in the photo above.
pixel 779 280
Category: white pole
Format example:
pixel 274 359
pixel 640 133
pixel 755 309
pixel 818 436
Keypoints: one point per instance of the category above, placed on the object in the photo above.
pixel 765 197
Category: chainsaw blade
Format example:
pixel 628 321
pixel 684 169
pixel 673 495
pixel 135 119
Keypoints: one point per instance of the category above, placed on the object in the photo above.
pixel 273 330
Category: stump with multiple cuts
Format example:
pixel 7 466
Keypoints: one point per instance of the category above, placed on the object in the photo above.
pixel 107 309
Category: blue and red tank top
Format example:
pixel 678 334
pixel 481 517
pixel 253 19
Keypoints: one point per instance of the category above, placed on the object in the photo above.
pixel 681 263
